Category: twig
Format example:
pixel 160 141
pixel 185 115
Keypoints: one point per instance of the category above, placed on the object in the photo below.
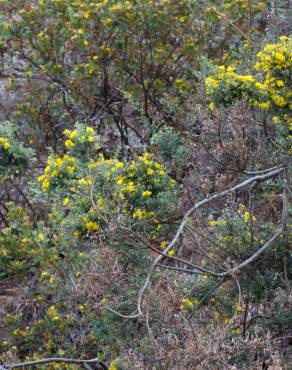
pixel 181 269
pixel 229 22
pixel 132 316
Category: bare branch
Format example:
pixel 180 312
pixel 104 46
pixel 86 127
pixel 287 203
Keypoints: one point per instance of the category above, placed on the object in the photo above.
pixel 58 360
pixel 254 256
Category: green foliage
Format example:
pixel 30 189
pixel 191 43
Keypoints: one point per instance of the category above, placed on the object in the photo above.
pixel 76 63
pixel 171 147
pixel 14 156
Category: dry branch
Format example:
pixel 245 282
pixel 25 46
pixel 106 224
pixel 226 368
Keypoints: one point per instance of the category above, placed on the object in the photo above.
pixel 242 185
pixel 58 360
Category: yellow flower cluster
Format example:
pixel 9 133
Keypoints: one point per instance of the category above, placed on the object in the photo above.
pixel 186 303
pixel 53 314
pixel 113 365
pixel 214 223
pixel 21 332
pixel 4 143
pixel 276 61
pixel 275 56
pixel 59 167
pixel 228 76
pixel 135 181
pixel 270 90
pixel 142 214
pixel 80 136
pixel 90 225
pixel 121 6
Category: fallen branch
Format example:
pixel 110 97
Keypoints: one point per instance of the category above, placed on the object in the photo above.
pixel 55 359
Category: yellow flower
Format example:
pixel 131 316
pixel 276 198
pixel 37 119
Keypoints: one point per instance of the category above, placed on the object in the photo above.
pixel 279 100
pixel 213 223
pixel 90 138
pixel 171 252
pixel 6 146
pixel 73 134
pixel 40 238
pixel 139 213
pixel 257 66
pixel 4 252
pixel 107 22
pixel 283 38
pixel 246 216
pixel 113 365
pixel 45 185
pixel 187 302
pixel 71 169
pixel 105 49
pixel 150 171
pixel 119 165
pixel 265 105
pixel 239 308
pixel 69 143
pixel 163 244
pixel 276 119
pixel 147 193
pixel 92 226
pixel 120 180
pixel 66 201
pixel 212 106
pixel 88 129
pixel 85 181
pixel 130 187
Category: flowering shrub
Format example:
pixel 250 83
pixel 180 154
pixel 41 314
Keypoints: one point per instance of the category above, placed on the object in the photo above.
pixel 92 187
pixel 74 52
pixel 95 261
pixel 269 89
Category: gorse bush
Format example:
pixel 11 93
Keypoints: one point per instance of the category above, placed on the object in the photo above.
pixel 269 87
pixel 76 68
pixel 144 184
pixel 94 188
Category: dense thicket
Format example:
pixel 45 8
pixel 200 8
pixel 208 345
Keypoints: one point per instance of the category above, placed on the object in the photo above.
pixel 145 173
